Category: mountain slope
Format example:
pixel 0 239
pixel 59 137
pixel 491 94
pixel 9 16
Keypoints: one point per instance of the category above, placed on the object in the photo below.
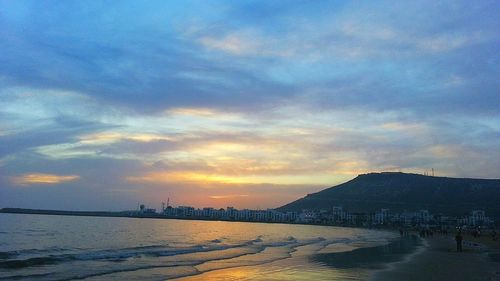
pixel 401 191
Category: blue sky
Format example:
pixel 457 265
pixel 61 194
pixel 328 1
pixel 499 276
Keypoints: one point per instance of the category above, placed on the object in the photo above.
pixel 104 104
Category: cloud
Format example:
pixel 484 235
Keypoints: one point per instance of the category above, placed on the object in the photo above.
pixel 235 44
pixel 203 112
pixel 40 178
pixel 248 43
pixel 143 101
pixel 280 56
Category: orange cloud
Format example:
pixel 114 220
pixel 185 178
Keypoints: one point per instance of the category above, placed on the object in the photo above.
pixel 39 178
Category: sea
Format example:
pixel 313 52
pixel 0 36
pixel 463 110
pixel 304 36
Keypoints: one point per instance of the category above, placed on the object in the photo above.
pixel 46 247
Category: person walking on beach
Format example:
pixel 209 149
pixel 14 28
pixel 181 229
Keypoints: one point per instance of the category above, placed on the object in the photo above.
pixel 459 239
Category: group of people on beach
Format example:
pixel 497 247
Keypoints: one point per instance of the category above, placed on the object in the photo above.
pixel 404 231
pixel 476 233
pixel 459 237
pixel 426 232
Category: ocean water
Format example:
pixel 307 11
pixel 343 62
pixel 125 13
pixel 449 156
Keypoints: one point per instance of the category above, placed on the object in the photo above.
pixel 38 247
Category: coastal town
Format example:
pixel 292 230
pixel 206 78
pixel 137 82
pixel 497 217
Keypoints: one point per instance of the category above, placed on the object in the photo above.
pixel 335 216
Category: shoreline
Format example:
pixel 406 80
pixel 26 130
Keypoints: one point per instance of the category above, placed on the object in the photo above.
pixel 438 260
pixel 126 214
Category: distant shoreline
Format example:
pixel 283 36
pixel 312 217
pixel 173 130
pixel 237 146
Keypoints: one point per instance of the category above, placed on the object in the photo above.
pixel 127 214
pixel 71 213
pixel 121 214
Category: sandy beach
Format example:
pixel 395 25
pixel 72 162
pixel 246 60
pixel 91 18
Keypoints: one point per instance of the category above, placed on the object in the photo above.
pixel 439 261
pixel 411 258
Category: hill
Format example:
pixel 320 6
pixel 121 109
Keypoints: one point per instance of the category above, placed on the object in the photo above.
pixel 407 192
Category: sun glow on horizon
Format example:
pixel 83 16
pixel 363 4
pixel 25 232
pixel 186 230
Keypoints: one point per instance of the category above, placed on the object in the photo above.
pixel 227 196
pixel 205 179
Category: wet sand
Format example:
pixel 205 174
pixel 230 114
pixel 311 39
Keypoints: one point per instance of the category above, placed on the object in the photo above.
pixel 376 257
pixel 439 261
pixel 308 264
pixel 409 258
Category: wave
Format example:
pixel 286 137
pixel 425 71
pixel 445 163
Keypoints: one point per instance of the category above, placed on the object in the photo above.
pixel 192 264
pixel 178 258
pixel 37 276
pixel 116 255
pixel 206 265
pixel 123 254
pixel 13 264
pixel 145 260
pixel 7 255
pixel 35 251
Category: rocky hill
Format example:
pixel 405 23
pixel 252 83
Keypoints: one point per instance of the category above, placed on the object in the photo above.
pixel 400 191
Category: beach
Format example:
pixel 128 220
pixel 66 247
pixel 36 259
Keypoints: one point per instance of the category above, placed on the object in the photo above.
pixel 438 260
pixel 411 258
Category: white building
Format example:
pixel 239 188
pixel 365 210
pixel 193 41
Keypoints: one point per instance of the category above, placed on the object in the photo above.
pixel 381 217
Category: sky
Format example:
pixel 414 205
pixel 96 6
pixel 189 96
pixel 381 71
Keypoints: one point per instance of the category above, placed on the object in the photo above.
pixel 251 104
